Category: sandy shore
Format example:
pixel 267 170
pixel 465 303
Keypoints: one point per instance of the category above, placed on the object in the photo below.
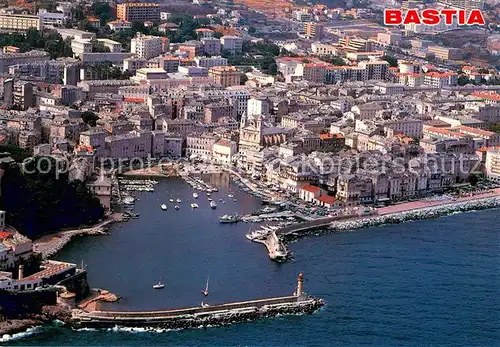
pixel 49 245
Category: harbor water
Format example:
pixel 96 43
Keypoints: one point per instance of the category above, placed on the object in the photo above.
pixel 428 282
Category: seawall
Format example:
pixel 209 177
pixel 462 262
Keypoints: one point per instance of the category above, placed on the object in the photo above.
pixel 194 317
pixel 394 218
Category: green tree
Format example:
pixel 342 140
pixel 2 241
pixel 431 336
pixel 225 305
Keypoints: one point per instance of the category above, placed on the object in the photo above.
pixel 393 62
pixel 473 179
pixel 102 10
pixel 89 118
pixel 38 198
pixel 244 79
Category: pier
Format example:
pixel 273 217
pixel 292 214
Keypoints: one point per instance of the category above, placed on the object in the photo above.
pixel 203 315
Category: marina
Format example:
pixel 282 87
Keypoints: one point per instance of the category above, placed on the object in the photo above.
pixel 365 272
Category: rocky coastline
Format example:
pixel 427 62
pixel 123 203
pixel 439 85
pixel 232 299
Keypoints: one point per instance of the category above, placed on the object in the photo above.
pixel 48 314
pixel 401 217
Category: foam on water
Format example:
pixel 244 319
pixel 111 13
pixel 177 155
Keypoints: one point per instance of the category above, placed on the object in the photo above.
pixel 28 332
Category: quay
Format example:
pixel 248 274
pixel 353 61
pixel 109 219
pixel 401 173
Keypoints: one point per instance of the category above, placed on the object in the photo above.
pixel 276 241
pixel 204 315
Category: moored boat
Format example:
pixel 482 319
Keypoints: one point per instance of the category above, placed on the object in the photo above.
pixel 213 204
pixel 163 207
pixel 229 218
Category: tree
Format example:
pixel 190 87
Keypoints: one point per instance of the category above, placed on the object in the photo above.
pixel 102 10
pixel 393 62
pixel 463 80
pixel 39 198
pixel 243 79
pixel 89 118
pixel 473 179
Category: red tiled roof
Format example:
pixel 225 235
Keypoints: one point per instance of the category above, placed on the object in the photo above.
pixel 4 234
pixel 327 199
pixel 135 100
pixel 310 188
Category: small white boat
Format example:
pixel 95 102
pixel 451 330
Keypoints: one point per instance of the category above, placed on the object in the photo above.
pixel 195 195
pixel 209 199
pixel 163 207
pixel 208 194
pixel 179 201
pixel 205 292
pixel 194 205
pixel 176 207
pixel 230 195
pixel 213 204
pixel 159 285
pixel 171 200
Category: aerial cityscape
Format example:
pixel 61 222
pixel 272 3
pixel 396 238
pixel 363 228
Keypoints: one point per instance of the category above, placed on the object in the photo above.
pixel 249 172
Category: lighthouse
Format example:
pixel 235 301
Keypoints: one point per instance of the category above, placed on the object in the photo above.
pixel 300 285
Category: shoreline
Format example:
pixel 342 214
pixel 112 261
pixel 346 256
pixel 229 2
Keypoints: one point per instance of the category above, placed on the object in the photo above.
pixel 479 203
pixel 51 244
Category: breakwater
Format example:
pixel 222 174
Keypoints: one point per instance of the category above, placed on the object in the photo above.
pixel 204 315
pixel 295 231
pixel 422 213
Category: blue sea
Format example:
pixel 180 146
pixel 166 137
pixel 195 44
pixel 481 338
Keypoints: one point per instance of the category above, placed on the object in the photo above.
pixel 422 283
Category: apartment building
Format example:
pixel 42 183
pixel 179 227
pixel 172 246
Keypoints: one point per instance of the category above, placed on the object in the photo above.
pixel 135 144
pixel 9 59
pixel 356 44
pixel 138 12
pixel 319 48
pixel 209 62
pixel 445 53
pixel 145 46
pixel 63 70
pixel 492 164
pixel 375 69
pixel 224 152
pixel 313 31
pixel 119 25
pixel 19 22
pixel 232 44
pixel 201 145
pixel 440 79
pixel 211 45
pixel 226 76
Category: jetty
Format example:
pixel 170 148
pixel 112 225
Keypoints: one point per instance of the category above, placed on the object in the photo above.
pixel 204 315
pixel 277 240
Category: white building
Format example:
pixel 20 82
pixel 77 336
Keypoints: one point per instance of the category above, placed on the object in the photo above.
pixel 492 165
pixel 145 46
pixel 258 106
pixel 200 145
pixel 224 152
pixel 208 62
pixel 81 46
pixel 119 25
pixel 113 46
pixel 51 18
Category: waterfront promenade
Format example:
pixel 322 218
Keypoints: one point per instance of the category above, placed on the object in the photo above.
pixel 426 203
pixel 49 245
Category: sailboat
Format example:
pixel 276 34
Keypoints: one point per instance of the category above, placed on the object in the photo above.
pixel 205 292
pixel 159 285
